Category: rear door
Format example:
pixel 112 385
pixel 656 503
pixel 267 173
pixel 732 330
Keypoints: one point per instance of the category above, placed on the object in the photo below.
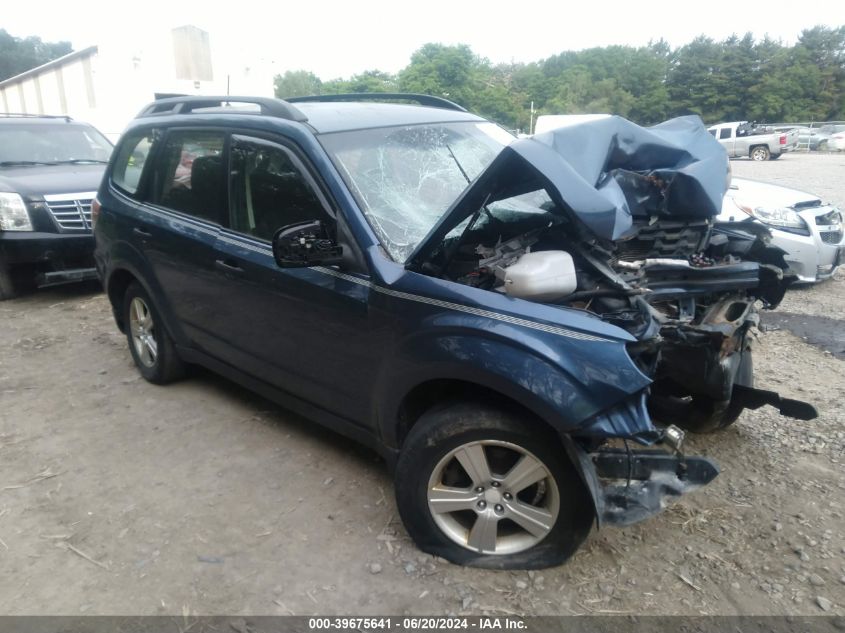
pixel 185 212
pixel 303 330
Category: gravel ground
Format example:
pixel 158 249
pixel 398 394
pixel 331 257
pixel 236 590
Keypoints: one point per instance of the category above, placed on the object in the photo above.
pixel 120 497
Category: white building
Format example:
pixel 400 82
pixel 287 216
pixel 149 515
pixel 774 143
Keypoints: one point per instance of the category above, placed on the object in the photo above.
pixel 108 84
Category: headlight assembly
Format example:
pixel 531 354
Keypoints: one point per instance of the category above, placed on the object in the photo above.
pixel 782 218
pixel 13 214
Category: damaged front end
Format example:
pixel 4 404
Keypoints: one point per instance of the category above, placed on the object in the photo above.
pixel 619 221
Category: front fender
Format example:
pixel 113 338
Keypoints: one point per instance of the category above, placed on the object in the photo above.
pixel 566 382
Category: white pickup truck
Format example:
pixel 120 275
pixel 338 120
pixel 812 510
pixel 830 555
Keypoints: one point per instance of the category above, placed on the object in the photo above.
pixel 741 138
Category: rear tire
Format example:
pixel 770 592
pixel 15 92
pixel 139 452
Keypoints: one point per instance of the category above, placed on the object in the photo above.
pixel 478 518
pixel 775 156
pixel 150 344
pixel 759 153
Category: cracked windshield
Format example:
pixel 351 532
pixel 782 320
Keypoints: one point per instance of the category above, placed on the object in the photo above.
pixel 406 178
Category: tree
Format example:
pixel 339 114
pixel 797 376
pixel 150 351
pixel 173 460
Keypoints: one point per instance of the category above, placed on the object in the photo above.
pixel 694 77
pixel 296 83
pixel 368 81
pixel 822 48
pixel 735 79
pixel 443 71
pixel 372 81
pixel 614 79
pixel 500 98
pixel 18 55
pixel 737 71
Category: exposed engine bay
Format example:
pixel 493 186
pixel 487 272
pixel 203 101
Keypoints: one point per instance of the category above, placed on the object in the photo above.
pixel 685 286
pixel 684 290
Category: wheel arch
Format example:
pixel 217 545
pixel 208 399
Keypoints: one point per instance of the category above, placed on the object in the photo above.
pixel 561 382
pixel 436 392
pixel 116 287
pixel 120 276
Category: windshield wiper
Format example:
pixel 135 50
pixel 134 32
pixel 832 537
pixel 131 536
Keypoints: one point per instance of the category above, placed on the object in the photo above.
pixel 19 163
pixel 79 161
pixel 455 158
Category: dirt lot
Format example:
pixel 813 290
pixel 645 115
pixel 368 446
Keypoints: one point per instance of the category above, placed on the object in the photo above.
pixel 119 497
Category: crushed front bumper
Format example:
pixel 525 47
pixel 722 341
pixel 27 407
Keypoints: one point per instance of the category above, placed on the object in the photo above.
pixel 639 484
pixel 628 486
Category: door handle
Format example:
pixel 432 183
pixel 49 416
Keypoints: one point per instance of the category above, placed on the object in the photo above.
pixel 228 266
pixel 142 233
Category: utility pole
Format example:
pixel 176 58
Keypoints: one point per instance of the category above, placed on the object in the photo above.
pixel 531 120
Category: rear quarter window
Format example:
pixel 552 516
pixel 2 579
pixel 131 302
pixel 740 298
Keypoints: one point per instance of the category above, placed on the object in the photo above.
pixel 131 159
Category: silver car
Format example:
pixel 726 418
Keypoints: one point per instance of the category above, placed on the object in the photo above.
pixel 811 232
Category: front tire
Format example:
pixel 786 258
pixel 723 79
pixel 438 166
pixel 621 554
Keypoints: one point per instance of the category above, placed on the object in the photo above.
pixel 151 347
pixel 15 281
pixel 759 153
pixel 485 487
pixel 700 414
pixel 7 284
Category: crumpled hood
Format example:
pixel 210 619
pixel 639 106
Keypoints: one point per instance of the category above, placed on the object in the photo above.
pixel 605 172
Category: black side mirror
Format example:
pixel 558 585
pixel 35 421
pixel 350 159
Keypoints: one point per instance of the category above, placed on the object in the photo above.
pixel 305 244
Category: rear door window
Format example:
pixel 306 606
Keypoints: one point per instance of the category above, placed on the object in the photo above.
pixel 190 175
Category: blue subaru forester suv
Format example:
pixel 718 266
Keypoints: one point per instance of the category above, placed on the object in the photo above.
pixel 500 319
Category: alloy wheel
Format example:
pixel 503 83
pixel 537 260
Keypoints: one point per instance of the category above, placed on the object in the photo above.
pixel 142 327
pixel 493 497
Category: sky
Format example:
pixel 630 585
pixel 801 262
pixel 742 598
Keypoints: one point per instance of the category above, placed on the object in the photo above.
pixel 339 39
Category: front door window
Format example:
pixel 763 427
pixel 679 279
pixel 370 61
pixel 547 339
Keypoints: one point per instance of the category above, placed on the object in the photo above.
pixel 270 189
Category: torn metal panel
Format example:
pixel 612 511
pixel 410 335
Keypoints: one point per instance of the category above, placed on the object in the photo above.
pixel 628 419
pixel 605 172
pixel 752 398
pixel 630 486
pixel 624 170
pixel 638 485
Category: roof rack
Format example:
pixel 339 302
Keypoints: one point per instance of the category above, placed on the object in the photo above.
pixel 188 105
pixel 29 115
pixel 425 100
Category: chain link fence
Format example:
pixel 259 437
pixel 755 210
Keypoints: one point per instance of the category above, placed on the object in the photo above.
pixel 816 136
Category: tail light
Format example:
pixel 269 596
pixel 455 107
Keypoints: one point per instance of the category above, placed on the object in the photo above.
pixel 783 139
pixel 95 212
